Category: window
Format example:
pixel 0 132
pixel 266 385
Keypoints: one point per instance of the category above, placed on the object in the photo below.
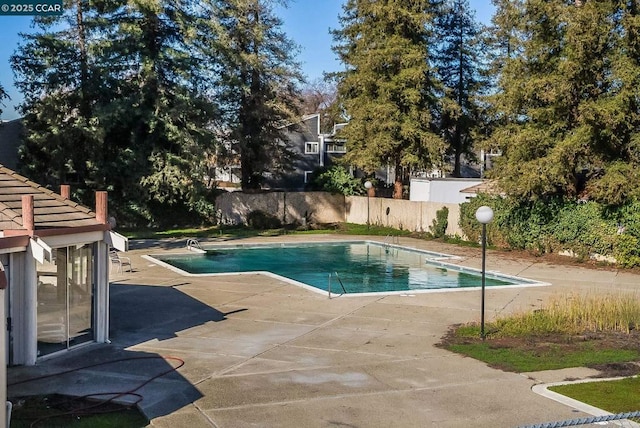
pixel 336 148
pixel 308 176
pixel 311 148
pixel 65 299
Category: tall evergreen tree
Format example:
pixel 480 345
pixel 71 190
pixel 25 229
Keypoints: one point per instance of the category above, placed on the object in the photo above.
pixel 457 65
pixel 162 116
pixel 111 101
pixel 387 89
pixel 56 76
pixel 257 85
pixel 573 120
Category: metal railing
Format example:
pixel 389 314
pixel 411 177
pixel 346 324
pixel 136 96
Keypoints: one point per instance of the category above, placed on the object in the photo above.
pixel 344 291
pixel 193 243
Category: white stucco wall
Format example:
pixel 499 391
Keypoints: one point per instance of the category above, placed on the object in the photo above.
pixel 440 190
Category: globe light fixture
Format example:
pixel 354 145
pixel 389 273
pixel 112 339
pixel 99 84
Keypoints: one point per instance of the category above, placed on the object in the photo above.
pixel 484 215
pixel 368 185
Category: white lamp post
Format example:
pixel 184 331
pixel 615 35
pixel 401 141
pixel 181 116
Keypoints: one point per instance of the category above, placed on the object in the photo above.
pixel 484 215
pixel 368 185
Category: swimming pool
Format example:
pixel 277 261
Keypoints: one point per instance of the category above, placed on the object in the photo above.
pixel 359 267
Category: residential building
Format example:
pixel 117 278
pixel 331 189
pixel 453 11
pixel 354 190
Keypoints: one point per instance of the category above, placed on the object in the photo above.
pixel 312 148
pixel 55 260
pixel 10 140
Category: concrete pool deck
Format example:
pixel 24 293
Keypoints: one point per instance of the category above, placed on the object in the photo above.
pixel 262 352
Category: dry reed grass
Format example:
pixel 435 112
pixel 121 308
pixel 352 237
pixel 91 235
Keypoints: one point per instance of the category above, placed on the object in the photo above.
pixel 575 314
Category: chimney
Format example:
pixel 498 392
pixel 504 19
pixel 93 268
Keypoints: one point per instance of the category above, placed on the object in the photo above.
pixel 27 213
pixel 101 206
pixel 65 191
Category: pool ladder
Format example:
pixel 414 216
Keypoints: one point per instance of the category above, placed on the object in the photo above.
pixel 391 239
pixel 193 244
pixel 344 291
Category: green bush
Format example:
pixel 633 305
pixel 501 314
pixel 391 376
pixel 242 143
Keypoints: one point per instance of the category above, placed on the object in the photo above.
pixel 582 228
pixel 440 223
pixel 260 220
pixel 558 224
pixel 337 179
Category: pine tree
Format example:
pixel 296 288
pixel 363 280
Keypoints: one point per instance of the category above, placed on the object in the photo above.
pixel 257 85
pixel 59 85
pixel 112 100
pixel 457 65
pixel 162 118
pixel 572 121
pixel 387 90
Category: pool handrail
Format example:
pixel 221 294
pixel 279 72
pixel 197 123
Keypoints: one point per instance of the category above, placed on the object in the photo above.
pixel 193 243
pixel 341 284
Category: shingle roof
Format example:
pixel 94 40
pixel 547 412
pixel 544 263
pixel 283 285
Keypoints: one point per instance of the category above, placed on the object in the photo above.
pixel 488 186
pixel 51 211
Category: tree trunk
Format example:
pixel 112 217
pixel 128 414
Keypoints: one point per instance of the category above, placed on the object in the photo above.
pixel 398 182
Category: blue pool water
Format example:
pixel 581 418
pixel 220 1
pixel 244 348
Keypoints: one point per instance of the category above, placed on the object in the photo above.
pixel 361 267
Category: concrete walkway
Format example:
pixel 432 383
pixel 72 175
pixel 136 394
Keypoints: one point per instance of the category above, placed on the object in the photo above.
pixel 259 352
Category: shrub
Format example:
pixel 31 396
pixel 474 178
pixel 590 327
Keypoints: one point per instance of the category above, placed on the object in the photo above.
pixel 440 223
pixel 558 224
pixel 581 227
pixel 337 180
pixel 260 220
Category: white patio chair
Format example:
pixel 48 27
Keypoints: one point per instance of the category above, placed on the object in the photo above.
pixel 119 261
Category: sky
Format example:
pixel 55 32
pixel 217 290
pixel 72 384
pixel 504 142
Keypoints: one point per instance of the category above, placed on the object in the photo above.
pixel 306 22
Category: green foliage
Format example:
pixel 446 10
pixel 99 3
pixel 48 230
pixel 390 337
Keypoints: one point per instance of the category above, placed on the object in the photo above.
pixel 458 66
pixel 551 358
pixel 558 224
pixel 3 95
pixel 362 229
pixel 56 411
pixel 337 179
pixel 616 396
pixel 387 88
pixel 583 229
pixel 440 223
pixel 256 80
pixel 114 100
pixel 566 116
pixel 262 221
pixel 565 316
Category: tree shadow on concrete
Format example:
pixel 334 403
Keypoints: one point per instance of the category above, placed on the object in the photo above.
pixel 139 313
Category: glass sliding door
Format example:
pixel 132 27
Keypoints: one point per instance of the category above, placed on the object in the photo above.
pixel 65 299
pixel 80 294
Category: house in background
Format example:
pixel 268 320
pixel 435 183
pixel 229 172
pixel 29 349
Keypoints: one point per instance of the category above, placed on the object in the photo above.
pixel 312 150
pixel 55 255
pixel 10 140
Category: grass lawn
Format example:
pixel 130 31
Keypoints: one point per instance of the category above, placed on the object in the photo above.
pixel 619 396
pixel 521 356
pixel 243 232
pixel 597 331
pixel 56 411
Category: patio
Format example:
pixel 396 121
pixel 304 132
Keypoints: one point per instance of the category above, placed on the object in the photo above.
pixel 261 352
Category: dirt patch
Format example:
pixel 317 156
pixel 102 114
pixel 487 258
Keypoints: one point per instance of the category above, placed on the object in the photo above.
pixel 534 257
pixel 564 344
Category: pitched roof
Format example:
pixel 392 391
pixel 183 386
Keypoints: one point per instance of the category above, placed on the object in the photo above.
pixel 487 186
pixel 51 211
